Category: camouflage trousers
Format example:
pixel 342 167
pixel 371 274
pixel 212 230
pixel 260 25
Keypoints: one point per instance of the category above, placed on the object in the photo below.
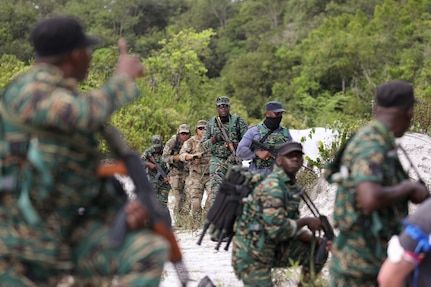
pixel 218 169
pixel 162 190
pixel 138 262
pixel 197 183
pixel 255 273
pixel 354 261
pixel 178 183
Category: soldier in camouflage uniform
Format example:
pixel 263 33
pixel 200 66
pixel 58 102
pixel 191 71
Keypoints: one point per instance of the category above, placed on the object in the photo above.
pixel 198 179
pixel 269 232
pixel 57 220
pixel 214 144
pixel 178 170
pixel 373 189
pixel 269 133
pixel 153 156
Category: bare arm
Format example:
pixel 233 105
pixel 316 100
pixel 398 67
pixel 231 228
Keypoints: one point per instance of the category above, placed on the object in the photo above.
pixel 393 274
pixel 373 196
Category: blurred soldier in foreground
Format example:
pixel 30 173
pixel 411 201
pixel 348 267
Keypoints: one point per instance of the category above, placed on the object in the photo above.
pixel 261 142
pixel 198 179
pixel 178 170
pixel 220 139
pixel 409 258
pixel 373 189
pixel 57 219
pixel 269 233
pixel 157 169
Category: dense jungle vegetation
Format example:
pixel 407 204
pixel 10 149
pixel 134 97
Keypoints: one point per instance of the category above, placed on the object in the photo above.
pixel 321 58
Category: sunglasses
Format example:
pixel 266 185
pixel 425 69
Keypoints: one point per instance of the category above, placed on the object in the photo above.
pixel 201 128
pixel 223 106
pixel 184 134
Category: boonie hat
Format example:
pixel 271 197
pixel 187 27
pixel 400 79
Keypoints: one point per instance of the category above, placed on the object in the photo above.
pixel 395 93
pixel 223 100
pixel 201 123
pixel 59 35
pixel 184 128
pixel 156 141
pixel 289 147
pixel 275 107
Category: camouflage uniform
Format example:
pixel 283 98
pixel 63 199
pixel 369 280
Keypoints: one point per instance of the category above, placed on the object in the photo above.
pixel 63 240
pixel 221 156
pixel 266 230
pixel 159 184
pixel 178 170
pixel 198 179
pixel 359 250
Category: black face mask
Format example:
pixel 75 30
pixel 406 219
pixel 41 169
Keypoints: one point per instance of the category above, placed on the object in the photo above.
pixel 272 123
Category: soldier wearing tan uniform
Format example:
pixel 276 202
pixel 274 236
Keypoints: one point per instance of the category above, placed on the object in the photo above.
pixel 198 180
pixel 178 170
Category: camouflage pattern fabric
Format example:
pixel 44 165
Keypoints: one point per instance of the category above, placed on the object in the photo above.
pixel 177 174
pixel 221 156
pixel 162 188
pixel 37 255
pixel 266 230
pixel 274 140
pixel 198 179
pixel 358 251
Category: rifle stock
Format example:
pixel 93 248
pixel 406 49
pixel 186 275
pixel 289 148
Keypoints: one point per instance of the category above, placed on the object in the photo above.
pixel 225 135
pixel 146 195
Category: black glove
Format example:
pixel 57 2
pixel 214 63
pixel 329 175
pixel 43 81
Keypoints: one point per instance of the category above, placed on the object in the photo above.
pixel 218 137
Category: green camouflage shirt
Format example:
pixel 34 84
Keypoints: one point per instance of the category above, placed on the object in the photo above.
pixel 158 159
pixel 369 156
pixel 44 99
pixel 269 217
pixel 235 129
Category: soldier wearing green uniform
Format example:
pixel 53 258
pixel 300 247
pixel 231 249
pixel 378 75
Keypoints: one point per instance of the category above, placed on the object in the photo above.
pixel 270 232
pixel 152 157
pixel 373 189
pixel 270 134
pixel 222 154
pixel 198 180
pixel 56 220
pixel 178 170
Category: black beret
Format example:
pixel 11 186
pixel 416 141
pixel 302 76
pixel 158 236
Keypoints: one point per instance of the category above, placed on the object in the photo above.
pixel 59 35
pixel 395 93
pixel 289 147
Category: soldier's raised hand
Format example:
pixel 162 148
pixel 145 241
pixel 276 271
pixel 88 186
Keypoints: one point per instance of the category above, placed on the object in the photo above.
pixel 128 64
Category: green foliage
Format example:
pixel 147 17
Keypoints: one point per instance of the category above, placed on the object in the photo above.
pixel 10 67
pixel 321 58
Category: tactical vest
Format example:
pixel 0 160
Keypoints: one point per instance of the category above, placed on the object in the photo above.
pixel 233 131
pixel 274 140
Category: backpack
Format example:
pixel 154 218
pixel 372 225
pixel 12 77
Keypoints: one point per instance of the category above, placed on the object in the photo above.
pixel 235 188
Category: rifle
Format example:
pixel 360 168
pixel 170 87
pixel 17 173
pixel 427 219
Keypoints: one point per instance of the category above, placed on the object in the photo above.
pixel 321 254
pixel 257 145
pixel 412 165
pixel 225 135
pixel 160 171
pixel 147 197
pixel 176 150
